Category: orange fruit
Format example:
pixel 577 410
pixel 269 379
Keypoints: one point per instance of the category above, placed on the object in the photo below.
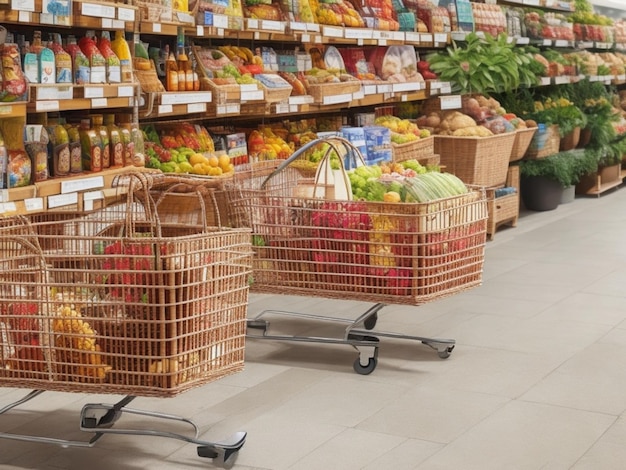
pixel 214 161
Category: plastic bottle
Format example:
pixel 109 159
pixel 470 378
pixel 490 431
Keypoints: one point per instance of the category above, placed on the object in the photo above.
pixel 46 68
pixel 4 159
pixel 128 145
pixel 97 62
pixel 59 163
pixel 91 147
pixel 115 141
pixel 185 75
pixel 76 158
pixel 62 59
pixel 171 71
pixel 81 69
pixel 97 122
pixel 113 64
pixel 122 51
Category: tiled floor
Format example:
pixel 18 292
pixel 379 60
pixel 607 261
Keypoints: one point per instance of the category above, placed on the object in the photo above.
pixel 537 379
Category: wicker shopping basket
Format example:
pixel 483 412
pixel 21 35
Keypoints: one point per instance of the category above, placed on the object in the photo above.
pixel 397 253
pixel 117 302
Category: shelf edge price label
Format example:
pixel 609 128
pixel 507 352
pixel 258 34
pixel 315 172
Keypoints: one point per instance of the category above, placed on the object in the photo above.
pixel 24 17
pixel 125 91
pixel 42 106
pixel 125 14
pixel 7 207
pixel 196 107
pixel 99 102
pixel 33 204
pixel 59 200
pixel 94 92
pixel 82 184
pixel 99 11
pixel 450 102
pixel 23 5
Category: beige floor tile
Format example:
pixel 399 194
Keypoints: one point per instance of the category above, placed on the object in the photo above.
pixel 523 436
pixel 426 413
pixel 609 452
pixel 350 450
pixel 406 456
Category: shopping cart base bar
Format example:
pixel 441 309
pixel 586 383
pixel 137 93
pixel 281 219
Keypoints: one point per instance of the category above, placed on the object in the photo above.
pixel 99 419
pixel 359 334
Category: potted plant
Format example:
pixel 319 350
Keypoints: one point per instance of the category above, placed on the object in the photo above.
pixel 544 180
pixel 484 64
pixel 564 113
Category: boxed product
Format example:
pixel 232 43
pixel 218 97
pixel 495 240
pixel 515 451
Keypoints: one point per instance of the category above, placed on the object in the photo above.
pixel 233 145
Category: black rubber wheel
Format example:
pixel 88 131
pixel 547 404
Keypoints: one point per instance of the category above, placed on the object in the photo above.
pixel 370 322
pixel 445 354
pixel 365 370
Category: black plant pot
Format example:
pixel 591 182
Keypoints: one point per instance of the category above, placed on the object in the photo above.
pixel 540 193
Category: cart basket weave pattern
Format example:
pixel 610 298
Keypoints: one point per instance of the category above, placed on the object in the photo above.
pixel 393 253
pixel 93 304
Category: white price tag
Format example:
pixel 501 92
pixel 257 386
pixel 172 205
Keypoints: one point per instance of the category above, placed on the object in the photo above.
pixel 358 33
pixel 252 95
pixel 305 38
pixel 94 92
pixel 253 24
pixel 233 108
pixel 59 200
pixel 547 42
pixel 332 32
pixel 446 88
pixel 521 41
pixel 196 108
pixel 358 95
pixel 125 14
pixel 4 195
pixel 165 109
pixel 297 26
pixel 269 25
pixel 412 37
pixel 33 204
pixel 93 195
pixel 82 184
pixel 117 24
pixel 125 91
pixel 99 11
pixel 561 43
pixel 545 81
pixel 282 108
pixel 382 42
pixel 561 80
pixel 99 103
pixel 107 23
pixel 156 27
pixel 220 32
pixel 257 35
pixel 23 5
pixel 335 99
pixel 24 16
pixel 426 38
pixel 221 21
pixel 43 106
pixel 220 109
pixel 369 90
pixel 7 207
pixel 199 30
pixel 450 102
pixel 532 3
pixel 439 37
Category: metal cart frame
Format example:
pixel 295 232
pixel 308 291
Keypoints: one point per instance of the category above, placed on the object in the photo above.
pixel 99 419
pixel 359 334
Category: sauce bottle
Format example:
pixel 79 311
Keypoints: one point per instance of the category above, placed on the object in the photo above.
pixel 91 147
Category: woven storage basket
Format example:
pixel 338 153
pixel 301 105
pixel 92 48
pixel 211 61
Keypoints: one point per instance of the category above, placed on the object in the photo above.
pixel 110 303
pixel 481 161
pixel 319 91
pixel 523 137
pixel 503 209
pixel 544 143
pixel 417 149
pixel 368 251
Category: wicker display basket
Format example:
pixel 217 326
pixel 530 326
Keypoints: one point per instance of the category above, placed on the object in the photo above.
pixel 396 253
pixel 523 137
pixel 114 302
pixel 322 90
pixel 481 161
pixel 544 143
pixel 418 149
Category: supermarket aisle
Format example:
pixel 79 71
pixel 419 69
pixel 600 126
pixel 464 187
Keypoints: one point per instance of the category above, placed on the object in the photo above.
pixel 536 381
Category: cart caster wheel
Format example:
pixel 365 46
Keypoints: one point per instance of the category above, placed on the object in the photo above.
pixel 223 459
pixel 370 322
pixel 365 370
pixel 445 354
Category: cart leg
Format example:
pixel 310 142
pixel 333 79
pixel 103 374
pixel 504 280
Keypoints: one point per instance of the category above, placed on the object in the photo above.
pixel 367 346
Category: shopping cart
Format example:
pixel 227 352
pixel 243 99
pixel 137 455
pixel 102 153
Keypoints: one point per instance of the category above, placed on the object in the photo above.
pixel 117 301
pixel 384 253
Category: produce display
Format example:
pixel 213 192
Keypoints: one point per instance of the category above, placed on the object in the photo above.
pixel 402 130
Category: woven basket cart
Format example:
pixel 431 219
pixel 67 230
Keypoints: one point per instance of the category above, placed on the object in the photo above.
pixel 117 301
pixel 392 253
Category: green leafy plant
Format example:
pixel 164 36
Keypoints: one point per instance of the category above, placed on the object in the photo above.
pixel 564 167
pixel 559 111
pixel 484 65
